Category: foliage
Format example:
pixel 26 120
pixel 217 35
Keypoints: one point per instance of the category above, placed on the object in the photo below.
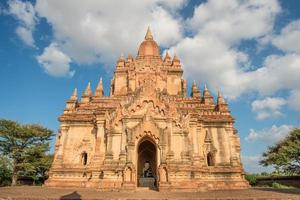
pixel 285 156
pixel 26 147
pixel 251 178
pixel 5 171
pixel 278 185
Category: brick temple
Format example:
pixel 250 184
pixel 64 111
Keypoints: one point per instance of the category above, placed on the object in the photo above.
pixel 148 132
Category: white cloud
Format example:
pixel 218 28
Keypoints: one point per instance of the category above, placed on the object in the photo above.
pixel 25 35
pixel 268 107
pixel 271 135
pixel 294 100
pixel 55 62
pixel 219 27
pixel 233 20
pixel 24 12
pixel 96 31
pixel 278 72
pixel 288 37
pixel 99 31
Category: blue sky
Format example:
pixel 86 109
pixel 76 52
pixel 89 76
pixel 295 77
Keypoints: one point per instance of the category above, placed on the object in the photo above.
pixel 250 50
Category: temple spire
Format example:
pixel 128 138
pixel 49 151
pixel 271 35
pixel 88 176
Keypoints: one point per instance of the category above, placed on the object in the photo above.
pixel 205 87
pixel 221 99
pixel 86 97
pixel 72 102
pixel 195 91
pixel 208 99
pixel 74 95
pixel 167 57
pixel 88 91
pixel 99 89
pixel 121 61
pixel 222 106
pixel 176 61
pixel 148 35
pixel 129 58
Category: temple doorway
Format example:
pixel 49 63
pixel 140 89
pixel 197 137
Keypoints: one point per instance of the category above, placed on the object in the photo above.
pixel 147 164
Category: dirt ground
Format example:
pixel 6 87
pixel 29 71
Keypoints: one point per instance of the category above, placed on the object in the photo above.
pixel 34 192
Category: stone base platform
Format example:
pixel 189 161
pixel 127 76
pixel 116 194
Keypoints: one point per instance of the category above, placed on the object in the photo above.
pixel 35 192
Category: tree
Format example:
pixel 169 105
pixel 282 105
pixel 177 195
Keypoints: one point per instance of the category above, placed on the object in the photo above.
pixel 25 145
pixel 285 155
pixel 5 171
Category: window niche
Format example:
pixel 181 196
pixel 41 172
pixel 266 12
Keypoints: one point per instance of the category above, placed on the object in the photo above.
pixel 84 158
pixel 210 159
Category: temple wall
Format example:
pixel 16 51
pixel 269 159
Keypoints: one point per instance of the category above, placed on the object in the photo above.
pixel 78 139
pixel 120 84
pixel 173 84
pixel 116 144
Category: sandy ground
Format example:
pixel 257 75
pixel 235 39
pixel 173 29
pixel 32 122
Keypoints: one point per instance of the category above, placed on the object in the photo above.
pixel 35 192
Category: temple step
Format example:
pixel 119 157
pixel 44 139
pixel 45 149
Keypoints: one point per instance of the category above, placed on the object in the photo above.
pixel 142 189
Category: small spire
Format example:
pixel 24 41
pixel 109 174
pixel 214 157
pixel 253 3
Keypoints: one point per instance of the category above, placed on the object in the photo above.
pixel 121 61
pixel 167 57
pixel 175 57
pixel 195 90
pixel 208 99
pixel 129 58
pixel 221 99
pixel 205 87
pixel 194 83
pixel 74 95
pixel 148 35
pixel 88 91
pixel 99 89
pixel 175 61
pixel 121 58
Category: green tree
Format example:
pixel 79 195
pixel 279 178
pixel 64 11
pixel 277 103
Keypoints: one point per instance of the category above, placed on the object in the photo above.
pixel 285 155
pixel 25 145
pixel 5 171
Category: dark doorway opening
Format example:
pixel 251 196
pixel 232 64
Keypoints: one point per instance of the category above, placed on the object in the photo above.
pixel 147 164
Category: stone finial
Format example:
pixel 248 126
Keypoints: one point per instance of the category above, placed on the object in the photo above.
pixel 86 97
pixel 74 95
pixel 205 87
pixel 206 91
pixel 195 91
pixel 88 91
pixel 129 58
pixel 72 102
pixel 167 57
pixel 99 90
pixel 208 99
pixel 221 99
pixel 222 106
pixel 194 84
pixel 148 35
pixel 175 60
pixel 121 61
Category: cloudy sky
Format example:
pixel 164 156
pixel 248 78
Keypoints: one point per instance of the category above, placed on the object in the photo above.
pixel 250 50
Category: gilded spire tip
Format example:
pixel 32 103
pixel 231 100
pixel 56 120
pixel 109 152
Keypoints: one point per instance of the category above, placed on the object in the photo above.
pixel 148 35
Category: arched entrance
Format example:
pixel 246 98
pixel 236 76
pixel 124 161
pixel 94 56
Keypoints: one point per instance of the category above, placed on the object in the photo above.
pixel 147 163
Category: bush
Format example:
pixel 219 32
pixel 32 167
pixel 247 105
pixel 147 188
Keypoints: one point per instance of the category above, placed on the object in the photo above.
pixel 5 171
pixel 278 185
pixel 251 178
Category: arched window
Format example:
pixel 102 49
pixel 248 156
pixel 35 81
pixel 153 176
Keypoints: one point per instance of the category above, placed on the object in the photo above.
pixel 210 161
pixel 84 158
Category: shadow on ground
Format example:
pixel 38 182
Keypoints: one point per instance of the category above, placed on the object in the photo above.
pixel 72 196
pixel 286 191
